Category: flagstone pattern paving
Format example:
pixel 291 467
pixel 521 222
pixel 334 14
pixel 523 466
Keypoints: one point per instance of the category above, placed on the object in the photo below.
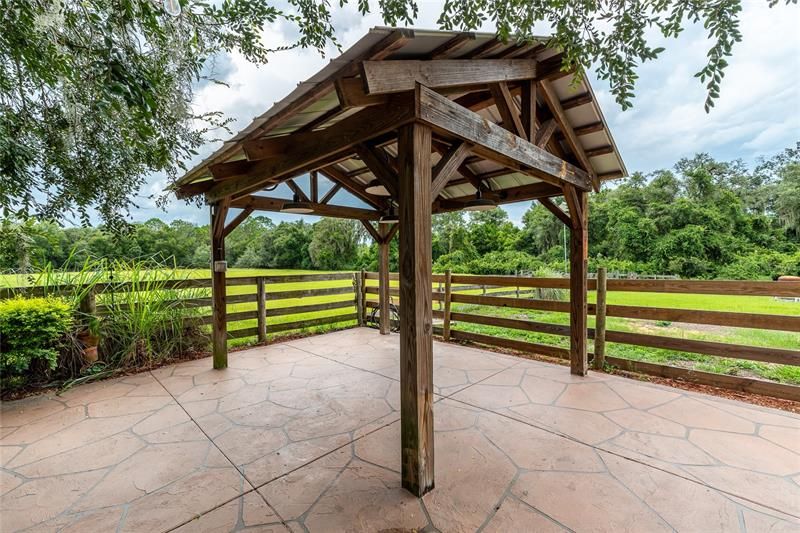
pixel 304 436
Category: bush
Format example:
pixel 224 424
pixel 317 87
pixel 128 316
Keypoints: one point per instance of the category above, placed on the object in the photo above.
pixel 507 262
pixel 30 332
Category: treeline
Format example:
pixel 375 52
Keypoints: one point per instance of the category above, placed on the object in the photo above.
pixel 701 219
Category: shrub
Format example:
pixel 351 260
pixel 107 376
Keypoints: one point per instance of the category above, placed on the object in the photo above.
pixel 30 332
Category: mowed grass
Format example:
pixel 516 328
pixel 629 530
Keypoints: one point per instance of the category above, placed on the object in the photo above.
pixel 733 303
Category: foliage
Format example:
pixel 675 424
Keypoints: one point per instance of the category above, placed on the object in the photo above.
pixel 30 331
pixel 334 244
pixel 97 94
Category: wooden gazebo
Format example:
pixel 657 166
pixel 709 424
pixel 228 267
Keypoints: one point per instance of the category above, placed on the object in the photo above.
pixel 431 121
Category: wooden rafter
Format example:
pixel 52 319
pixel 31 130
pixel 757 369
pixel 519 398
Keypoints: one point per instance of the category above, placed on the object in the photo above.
pixel 313 180
pixel 600 150
pixel 484 50
pixel 233 224
pixel 507 108
pixel 493 142
pixel 528 113
pixel 331 193
pixel 576 101
pixel 372 231
pixel 353 187
pixel 531 191
pixel 266 203
pixel 378 162
pixel 297 190
pixel 557 211
pixel 586 129
pixel 452 45
pixel 545 133
pixel 447 165
pixel 383 77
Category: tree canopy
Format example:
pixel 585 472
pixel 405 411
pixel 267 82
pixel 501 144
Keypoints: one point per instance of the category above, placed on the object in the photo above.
pixel 95 95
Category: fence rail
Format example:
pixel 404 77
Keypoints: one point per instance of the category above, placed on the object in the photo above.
pixel 457 289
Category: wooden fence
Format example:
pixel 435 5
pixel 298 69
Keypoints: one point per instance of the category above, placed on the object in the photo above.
pixel 267 296
pixel 494 295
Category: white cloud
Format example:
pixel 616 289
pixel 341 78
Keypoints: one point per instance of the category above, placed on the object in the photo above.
pixel 757 114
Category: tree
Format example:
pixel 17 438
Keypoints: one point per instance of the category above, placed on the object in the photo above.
pixel 491 231
pixel 334 245
pixel 97 94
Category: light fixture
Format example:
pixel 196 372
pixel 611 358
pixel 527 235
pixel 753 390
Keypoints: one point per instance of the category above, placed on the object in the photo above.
pixel 297 207
pixel 389 218
pixel 376 187
pixel 479 203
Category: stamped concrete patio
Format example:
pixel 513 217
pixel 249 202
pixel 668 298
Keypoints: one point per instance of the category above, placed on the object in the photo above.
pixel 304 436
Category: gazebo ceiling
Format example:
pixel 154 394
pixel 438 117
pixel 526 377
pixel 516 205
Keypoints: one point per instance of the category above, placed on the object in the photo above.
pixel 569 122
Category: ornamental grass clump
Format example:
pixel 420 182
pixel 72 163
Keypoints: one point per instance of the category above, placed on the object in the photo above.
pixel 33 331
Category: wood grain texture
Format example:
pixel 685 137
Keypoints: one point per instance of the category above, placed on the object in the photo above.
pixel 416 321
pixel 600 321
pixel 219 326
pixel 383 77
pixel 383 278
pixel 578 270
pixel 448 298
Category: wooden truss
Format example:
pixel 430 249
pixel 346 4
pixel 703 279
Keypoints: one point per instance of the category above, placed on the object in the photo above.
pixel 397 117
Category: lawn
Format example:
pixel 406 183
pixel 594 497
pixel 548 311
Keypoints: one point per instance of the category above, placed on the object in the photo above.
pixel 744 336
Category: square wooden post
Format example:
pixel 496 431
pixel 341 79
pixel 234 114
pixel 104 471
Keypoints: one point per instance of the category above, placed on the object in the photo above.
pixel 383 279
pixel 219 327
pixel 579 263
pixel 416 313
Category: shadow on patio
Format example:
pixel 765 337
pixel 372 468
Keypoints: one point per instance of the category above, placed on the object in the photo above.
pixel 305 435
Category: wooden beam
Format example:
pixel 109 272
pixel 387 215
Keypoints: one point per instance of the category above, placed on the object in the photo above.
pixel 557 211
pixel 551 100
pixel 233 224
pixel 416 318
pixel 219 324
pixel 578 304
pixel 372 231
pixel 353 187
pixel 266 203
pixel 529 109
pixel 545 133
pixel 484 50
pixel 392 232
pixel 451 45
pixel 297 190
pixel 331 193
pixel 351 93
pixel 586 129
pixel 378 162
pixel 507 108
pixel 576 101
pixel 531 191
pixel 383 77
pixel 600 150
pixel 447 165
pixel 493 142
pixel 574 205
pixel 312 150
pixel 313 181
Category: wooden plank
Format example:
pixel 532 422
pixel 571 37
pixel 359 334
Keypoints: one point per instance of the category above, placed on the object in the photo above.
pixel 506 196
pixel 576 101
pixel 266 203
pixel 447 166
pixel 313 181
pixel 384 77
pixel 353 187
pixel 507 109
pixel 416 321
pixel 372 231
pixel 749 385
pixel 529 110
pixel 311 308
pixel 331 193
pixel 513 281
pixel 305 293
pixel 493 142
pixel 553 208
pixel 451 45
pixel 715 318
pixel 545 133
pixel 578 270
pixel 486 49
pixel 350 92
pixel 586 129
pixel 552 102
pixel 740 288
pixel 512 344
pixel 719 349
pixel 296 278
pixel 600 150
pixel 511 323
pixel 241 217
pixel 377 161
pixel 303 152
pixel 288 326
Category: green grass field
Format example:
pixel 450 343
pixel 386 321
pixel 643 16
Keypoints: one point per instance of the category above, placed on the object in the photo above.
pixel 744 336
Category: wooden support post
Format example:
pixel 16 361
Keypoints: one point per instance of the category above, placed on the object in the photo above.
pixel 383 280
pixel 357 282
pixel 600 321
pixel 416 314
pixel 447 298
pixel 578 260
pixel 261 294
pixel 219 326
pixel 363 287
pixel 529 109
pixel 87 308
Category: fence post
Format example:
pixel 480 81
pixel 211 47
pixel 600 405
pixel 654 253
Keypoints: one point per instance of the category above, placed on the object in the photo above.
pixel 600 321
pixel 261 294
pixel 88 310
pixel 447 292
pixel 357 289
pixel 363 297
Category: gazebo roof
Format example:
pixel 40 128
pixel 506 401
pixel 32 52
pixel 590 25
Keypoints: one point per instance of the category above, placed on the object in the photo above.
pixel 568 116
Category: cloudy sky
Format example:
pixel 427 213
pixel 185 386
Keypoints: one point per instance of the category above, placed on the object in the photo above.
pixel 758 113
